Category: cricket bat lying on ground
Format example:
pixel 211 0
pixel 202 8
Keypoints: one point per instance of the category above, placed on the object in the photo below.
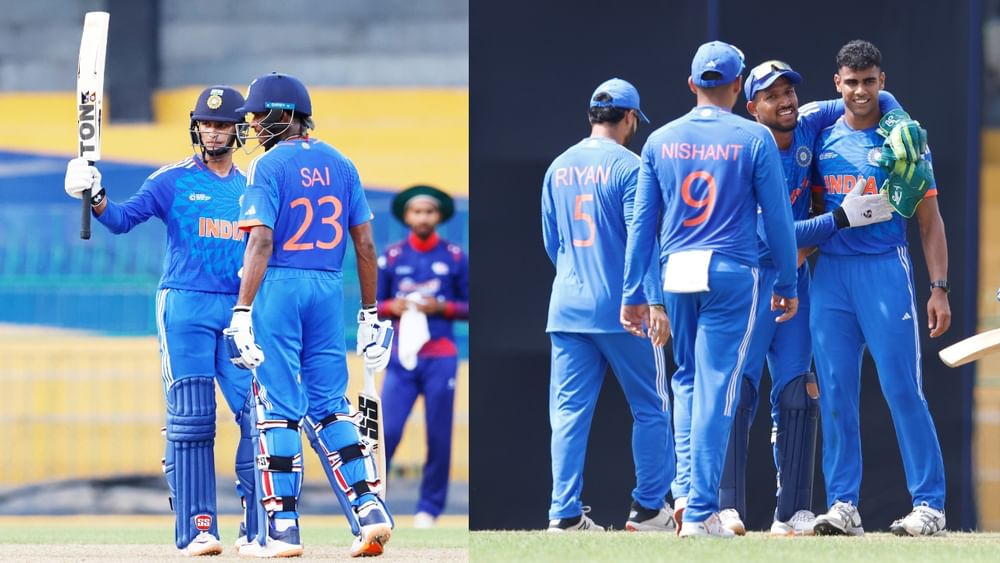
pixel 971 349
pixel 370 407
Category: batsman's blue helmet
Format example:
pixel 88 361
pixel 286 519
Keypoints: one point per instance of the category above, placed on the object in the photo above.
pixel 219 103
pixel 277 91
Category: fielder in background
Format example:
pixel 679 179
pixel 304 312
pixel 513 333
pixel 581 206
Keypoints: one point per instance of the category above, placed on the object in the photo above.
pixel 587 200
pixel 863 294
pixel 708 172
pixel 198 200
pixel 303 197
pixel 423 284
pixel 771 99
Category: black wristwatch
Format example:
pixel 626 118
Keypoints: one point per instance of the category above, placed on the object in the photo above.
pixel 943 284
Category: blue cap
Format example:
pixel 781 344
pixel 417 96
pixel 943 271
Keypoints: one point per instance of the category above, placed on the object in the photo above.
pixel 763 76
pixel 277 91
pixel 719 57
pixel 623 95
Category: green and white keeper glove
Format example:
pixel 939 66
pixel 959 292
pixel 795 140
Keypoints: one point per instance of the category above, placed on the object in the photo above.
pixel 907 184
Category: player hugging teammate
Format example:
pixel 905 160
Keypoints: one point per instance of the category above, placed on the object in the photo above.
pixel 720 204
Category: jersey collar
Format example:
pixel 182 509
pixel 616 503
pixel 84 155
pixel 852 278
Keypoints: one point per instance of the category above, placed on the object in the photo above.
pixel 423 245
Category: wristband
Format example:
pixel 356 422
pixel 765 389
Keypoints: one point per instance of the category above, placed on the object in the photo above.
pixel 97 198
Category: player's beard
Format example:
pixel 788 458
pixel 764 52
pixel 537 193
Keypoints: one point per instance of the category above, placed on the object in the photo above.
pixel 777 125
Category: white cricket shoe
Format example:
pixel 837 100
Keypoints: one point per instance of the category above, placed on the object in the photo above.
pixel 710 528
pixel 284 543
pixel 423 520
pixel 582 523
pixel 680 504
pixel 203 544
pixel 241 538
pixel 923 521
pixel 843 519
pixel 800 524
pixel 730 518
pixel 641 519
pixel 376 529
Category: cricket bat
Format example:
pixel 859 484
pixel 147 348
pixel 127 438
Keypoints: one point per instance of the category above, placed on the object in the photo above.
pixel 370 407
pixel 971 349
pixel 90 98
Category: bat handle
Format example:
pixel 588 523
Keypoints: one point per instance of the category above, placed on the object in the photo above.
pixel 85 217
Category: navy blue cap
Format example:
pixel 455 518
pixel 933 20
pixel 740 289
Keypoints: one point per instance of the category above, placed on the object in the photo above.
pixel 277 91
pixel 716 56
pixel 763 76
pixel 623 95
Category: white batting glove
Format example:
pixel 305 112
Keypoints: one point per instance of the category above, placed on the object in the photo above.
pixel 80 176
pixel 374 339
pixel 861 210
pixel 243 351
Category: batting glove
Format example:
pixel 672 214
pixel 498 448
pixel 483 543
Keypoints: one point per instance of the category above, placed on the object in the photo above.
pixel 80 176
pixel 243 351
pixel 374 339
pixel 860 210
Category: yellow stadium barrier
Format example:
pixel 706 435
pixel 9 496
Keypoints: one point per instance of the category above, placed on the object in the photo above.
pixel 78 406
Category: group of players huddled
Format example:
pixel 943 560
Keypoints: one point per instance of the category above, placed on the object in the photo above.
pixel 702 238
pixel 218 315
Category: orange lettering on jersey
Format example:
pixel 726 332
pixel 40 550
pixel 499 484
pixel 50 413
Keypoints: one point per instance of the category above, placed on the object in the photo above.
pixel 219 228
pixel 581 176
pixel 845 183
pixel 687 151
pixel 312 177
pixel 849 182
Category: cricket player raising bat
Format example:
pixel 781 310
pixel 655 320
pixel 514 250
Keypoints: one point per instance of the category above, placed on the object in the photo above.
pixel 198 201
pixel 304 198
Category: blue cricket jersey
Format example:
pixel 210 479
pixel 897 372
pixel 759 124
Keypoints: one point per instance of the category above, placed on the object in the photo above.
pixel 200 210
pixel 797 161
pixel 847 157
pixel 587 198
pixel 310 195
pixel 708 171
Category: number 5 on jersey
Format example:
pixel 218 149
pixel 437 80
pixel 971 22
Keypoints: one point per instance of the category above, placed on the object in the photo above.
pixel 337 235
pixel 587 218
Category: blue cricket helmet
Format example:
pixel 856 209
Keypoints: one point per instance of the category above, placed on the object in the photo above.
pixel 219 103
pixel 277 91
pixel 216 103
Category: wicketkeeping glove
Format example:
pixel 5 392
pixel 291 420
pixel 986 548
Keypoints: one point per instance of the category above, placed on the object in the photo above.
pixel 907 184
pixel 374 339
pixel 80 176
pixel 243 351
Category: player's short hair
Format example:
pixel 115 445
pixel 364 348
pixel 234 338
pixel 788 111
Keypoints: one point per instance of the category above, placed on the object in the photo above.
pixel 605 114
pixel 859 55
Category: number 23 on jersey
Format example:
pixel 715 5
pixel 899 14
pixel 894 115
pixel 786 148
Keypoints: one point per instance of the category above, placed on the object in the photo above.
pixel 329 209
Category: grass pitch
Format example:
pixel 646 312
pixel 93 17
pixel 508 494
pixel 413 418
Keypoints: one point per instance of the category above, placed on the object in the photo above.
pixel 626 547
pixel 150 538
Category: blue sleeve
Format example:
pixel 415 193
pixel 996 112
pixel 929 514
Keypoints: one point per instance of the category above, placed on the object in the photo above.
pixel 887 102
pixel 772 197
pixel 151 199
pixel 813 232
pixel 360 212
pixel 261 200
pixel 650 283
pixel 817 116
pixel 550 229
pixel 642 231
